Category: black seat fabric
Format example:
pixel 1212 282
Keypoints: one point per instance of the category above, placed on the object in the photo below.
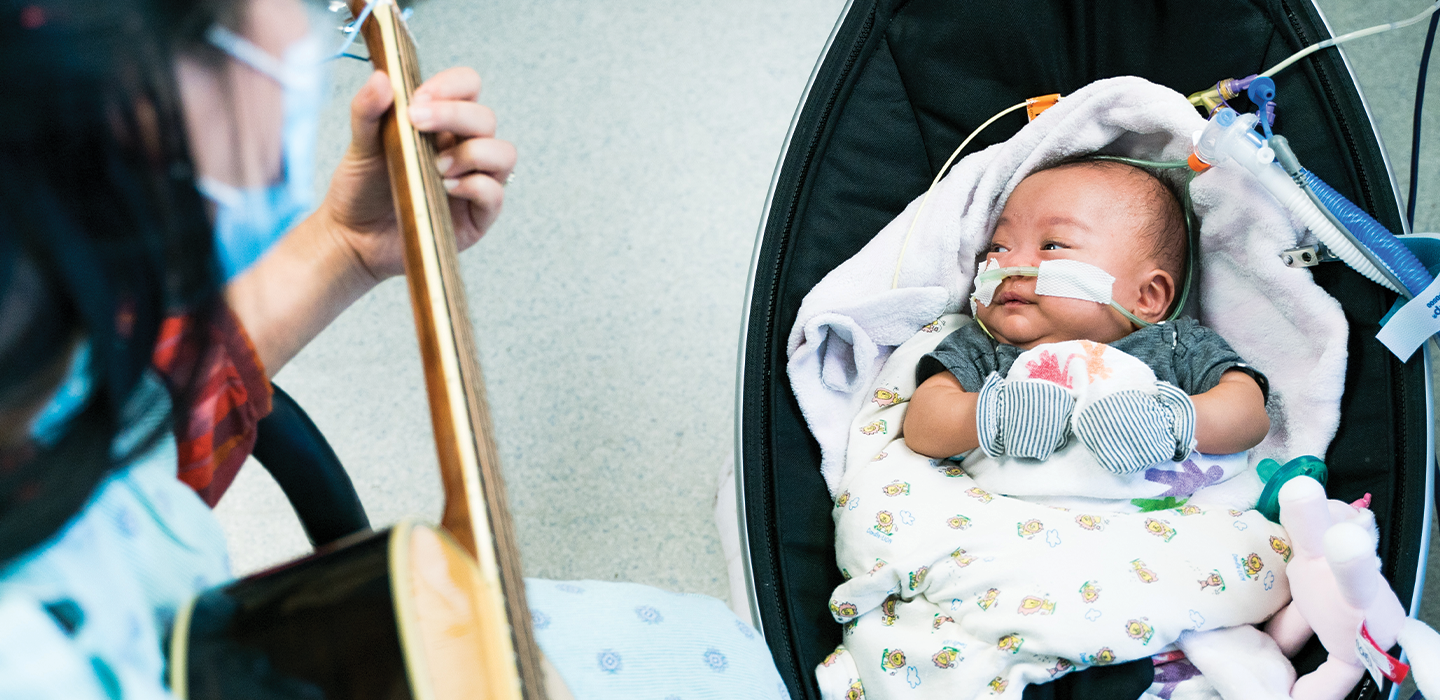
pixel 901 85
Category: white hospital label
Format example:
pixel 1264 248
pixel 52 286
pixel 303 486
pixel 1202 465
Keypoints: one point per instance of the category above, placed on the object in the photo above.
pixel 1417 320
pixel 1380 664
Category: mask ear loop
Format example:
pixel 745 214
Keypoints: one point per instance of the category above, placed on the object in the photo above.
pixel 248 53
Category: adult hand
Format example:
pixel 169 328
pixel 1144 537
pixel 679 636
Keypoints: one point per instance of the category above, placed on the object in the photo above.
pixel 352 241
pixel 473 163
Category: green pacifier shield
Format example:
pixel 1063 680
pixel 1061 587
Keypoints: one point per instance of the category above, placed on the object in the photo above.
pixel 1275 475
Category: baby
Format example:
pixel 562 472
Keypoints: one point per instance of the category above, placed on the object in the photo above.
pixel 1130 224
pixel 1038 586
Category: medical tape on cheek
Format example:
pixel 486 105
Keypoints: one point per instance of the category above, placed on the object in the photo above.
pixel 1055 278
pixel 1078 280
pixel 1075 280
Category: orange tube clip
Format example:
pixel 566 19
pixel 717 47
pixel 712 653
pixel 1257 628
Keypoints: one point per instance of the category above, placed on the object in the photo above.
pixel 1035 105
pixel 1196 164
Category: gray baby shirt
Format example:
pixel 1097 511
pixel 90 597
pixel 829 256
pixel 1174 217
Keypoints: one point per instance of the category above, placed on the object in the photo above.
pixel 1181 352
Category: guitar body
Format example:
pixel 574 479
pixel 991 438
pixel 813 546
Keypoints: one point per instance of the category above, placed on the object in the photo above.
pixel 383 616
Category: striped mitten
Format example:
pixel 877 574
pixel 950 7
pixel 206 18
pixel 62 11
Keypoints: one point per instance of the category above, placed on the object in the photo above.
pixel 1132 429
pixel 1022 417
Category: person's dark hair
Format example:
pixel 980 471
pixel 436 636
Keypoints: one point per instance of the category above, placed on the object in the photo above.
pixel 1164 232
pixel 102 233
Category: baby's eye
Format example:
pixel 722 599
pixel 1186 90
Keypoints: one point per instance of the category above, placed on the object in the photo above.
pixel 1052 245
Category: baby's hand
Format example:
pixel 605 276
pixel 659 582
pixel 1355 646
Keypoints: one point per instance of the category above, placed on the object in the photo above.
pixel 1022 417
pixel 1123 415
pixel 1133 429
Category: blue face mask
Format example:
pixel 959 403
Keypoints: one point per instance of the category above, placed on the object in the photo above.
pixel 248 221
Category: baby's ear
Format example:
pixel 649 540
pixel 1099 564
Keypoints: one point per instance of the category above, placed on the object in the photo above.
pixel 1157 292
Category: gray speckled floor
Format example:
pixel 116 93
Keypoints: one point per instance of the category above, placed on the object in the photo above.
pixel 608 298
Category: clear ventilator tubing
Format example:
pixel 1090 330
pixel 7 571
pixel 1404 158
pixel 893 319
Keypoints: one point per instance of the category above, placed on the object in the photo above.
pixel 1231 136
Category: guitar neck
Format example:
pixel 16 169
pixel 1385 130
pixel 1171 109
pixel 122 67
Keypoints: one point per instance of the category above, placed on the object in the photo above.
pixel 476 511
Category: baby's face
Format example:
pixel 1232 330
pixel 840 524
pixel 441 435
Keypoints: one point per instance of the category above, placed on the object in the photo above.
pixel 1068 213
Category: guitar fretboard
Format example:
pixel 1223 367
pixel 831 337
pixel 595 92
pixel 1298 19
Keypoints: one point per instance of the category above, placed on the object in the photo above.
pixel 476 508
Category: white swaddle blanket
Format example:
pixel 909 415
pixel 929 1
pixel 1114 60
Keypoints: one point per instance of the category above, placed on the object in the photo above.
pixel 1274 316
pixel 954 589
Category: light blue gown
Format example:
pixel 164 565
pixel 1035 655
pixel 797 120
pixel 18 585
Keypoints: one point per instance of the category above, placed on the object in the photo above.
pixel 84 615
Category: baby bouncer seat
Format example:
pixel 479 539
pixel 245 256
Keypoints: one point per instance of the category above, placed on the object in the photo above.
pixel 900 84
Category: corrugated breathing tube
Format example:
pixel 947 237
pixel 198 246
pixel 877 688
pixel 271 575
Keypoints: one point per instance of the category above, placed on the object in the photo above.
pixel 1373 235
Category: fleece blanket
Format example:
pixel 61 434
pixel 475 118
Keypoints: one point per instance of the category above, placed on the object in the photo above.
pixel 1274 316
pixel 955 590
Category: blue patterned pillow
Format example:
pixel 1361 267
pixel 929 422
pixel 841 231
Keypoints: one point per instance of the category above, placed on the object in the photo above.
pixel 632 642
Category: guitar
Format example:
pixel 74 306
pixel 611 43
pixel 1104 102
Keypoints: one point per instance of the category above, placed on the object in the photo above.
pixel 413 611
